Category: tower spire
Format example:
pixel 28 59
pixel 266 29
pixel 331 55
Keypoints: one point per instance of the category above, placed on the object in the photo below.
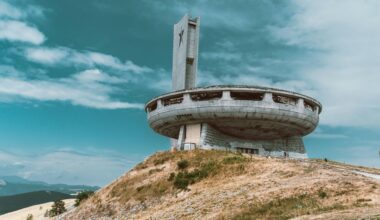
pixel 185 53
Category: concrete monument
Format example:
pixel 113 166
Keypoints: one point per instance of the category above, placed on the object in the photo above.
pixel 248 119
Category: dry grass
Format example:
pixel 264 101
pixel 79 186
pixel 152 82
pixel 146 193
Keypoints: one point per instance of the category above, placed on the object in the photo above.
pixel 225 185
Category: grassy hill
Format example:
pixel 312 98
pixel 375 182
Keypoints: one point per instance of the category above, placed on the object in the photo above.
pixel 16 202
pixel 223 185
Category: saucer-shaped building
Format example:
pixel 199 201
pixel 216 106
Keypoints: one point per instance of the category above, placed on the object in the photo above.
pixel 249 119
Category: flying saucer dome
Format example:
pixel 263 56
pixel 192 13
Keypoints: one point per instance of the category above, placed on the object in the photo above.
pixel 247 112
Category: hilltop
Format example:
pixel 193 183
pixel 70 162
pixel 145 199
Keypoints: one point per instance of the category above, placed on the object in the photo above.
pixel 203 184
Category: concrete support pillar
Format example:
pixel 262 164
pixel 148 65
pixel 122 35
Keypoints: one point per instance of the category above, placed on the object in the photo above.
pixel 268 97
pixel 300 104
pixel 159 104
pixel 186 98
pixel 226 95
pixel 181 136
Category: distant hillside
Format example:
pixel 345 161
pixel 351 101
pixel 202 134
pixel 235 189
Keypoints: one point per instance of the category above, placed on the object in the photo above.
pixel 222 185
pixel 12 185
pixel 16 202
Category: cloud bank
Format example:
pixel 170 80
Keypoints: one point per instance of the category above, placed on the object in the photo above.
pixel 67 166
pixel 347 40
pixel 99 79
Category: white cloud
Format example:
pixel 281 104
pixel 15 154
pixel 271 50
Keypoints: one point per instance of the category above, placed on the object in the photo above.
pixel 46 55
pixel 67 166
pixel 207 78
pixel 85 88
pixel 221 56
pixel 346 73
pixel 95 75
pixel 68 56
pixel 8 11
pixel 12 30
pixel 212 15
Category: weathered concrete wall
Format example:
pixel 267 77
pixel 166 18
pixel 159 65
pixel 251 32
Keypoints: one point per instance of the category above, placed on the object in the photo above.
pixel 247 119
pixel 185 53
pixel 211 138
pixel 193 134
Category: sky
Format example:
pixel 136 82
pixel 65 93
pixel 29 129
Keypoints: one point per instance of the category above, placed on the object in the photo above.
pixel 75 75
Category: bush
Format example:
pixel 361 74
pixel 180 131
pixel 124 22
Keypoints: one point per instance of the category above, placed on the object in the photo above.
pixel 182 164
pixel 82 196
pixel 322 194
pixel 183 179
pixel 57 208
pixel 29 217
pixel 171 177
pixel 234 160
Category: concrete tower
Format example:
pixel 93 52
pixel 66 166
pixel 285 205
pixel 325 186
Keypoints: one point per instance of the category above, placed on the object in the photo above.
pixel 245 118
pixel 185 53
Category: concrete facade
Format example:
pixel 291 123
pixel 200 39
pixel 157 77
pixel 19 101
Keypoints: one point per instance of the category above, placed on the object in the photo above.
pixel 248 119
pixel 185 53
pixel 270 121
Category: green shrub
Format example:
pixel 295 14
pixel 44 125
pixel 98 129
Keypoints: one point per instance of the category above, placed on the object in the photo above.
pixel 82 196
pixel 322 194
pixel 159 161
pixel 141 166
pixel 234 160
pixel 183 179
pixel 29 217
pixel 171 177
pixel 57 208
pixel 182 164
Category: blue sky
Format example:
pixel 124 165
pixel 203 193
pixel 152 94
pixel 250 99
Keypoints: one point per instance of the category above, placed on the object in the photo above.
pixel 74 76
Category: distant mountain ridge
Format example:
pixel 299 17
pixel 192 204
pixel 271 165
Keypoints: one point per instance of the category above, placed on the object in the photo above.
pixel 12 185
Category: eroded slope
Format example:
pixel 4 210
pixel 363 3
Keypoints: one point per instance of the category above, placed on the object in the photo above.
pixel 222 185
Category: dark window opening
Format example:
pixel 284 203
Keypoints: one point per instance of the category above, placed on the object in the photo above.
pixel 308 106
pixel 184 116
pixel 172 100
pixel 284 99
pixel 204 96
pixel 151 107
pixel 189 60
pixel 247 150
pixel 247 96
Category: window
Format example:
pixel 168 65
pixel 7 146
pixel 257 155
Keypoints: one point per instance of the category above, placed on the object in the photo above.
pixel 205 96
pixel 152 106
pixel 308 106
pixel 284 99
pixel 247 96
pixel 177 99
pixel 248 150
